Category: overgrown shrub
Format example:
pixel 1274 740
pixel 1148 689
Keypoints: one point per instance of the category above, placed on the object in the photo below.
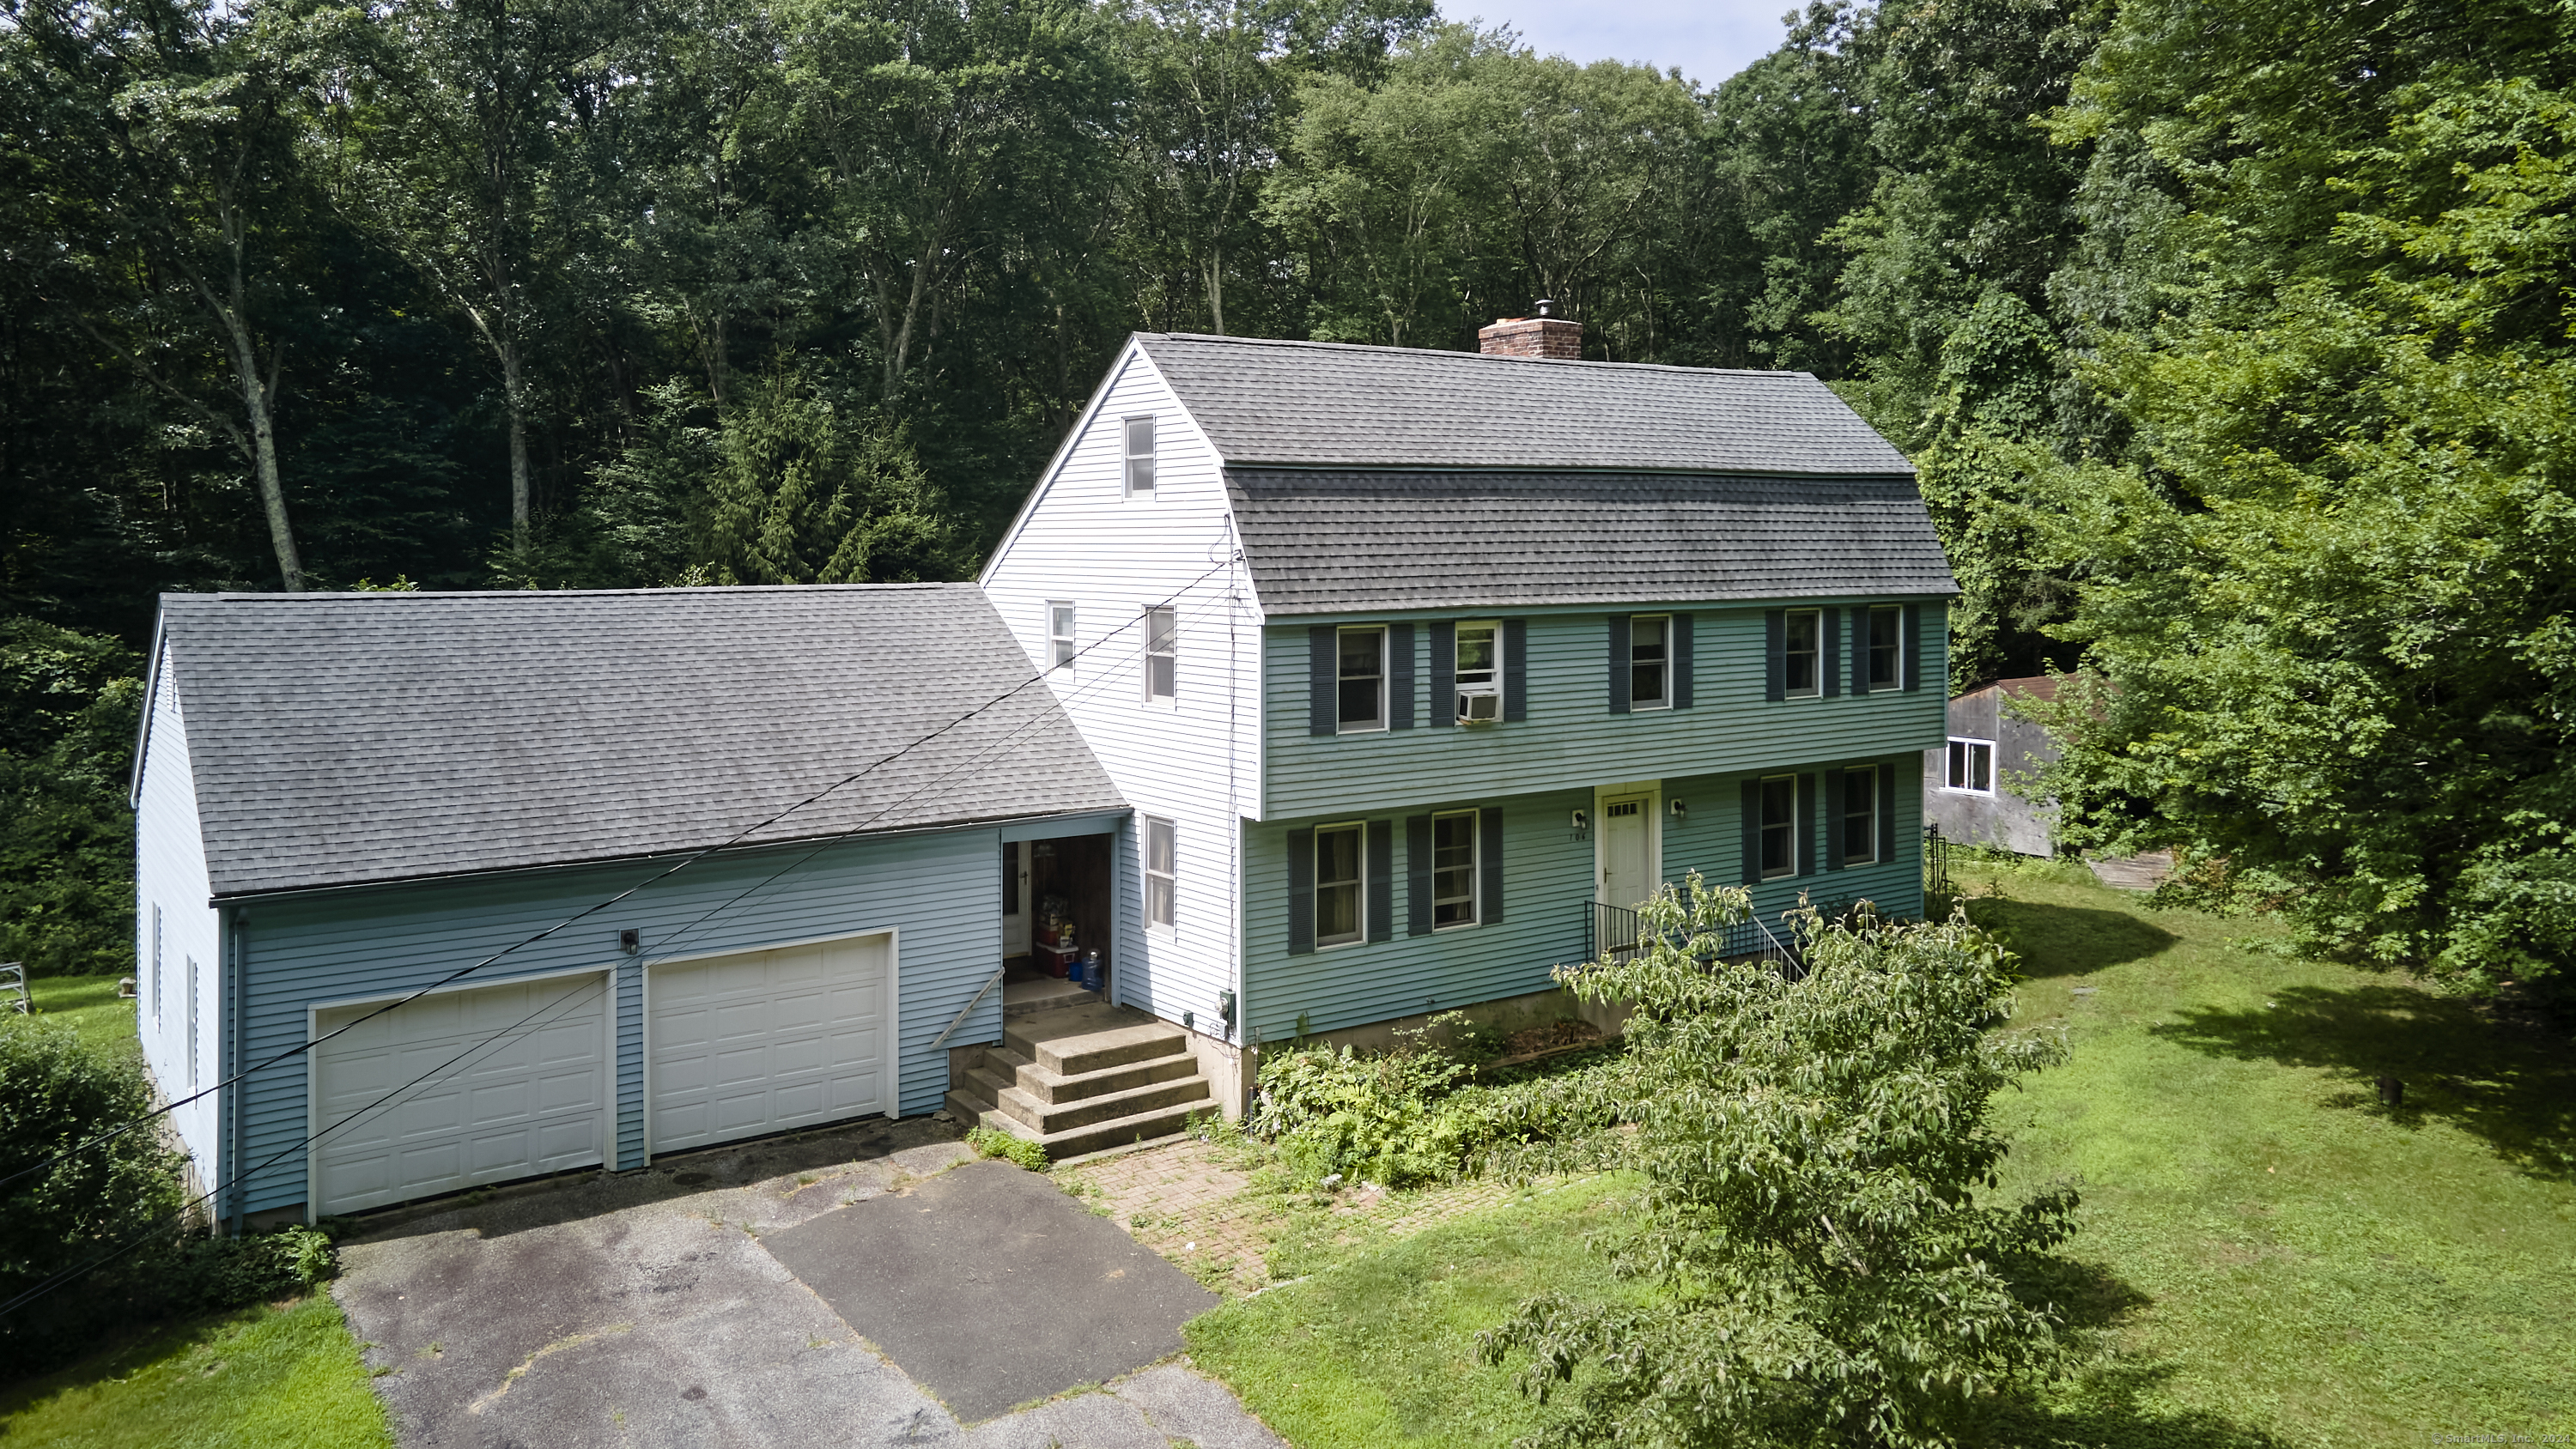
pixel 1820 1215
pixel 994 1142
pixel 126 1194
pixel 1407 1115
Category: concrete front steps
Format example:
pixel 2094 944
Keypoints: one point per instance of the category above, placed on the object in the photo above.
pixel 1084 1079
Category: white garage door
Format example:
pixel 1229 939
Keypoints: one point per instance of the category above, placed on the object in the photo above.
pixel 769 1040
pixel 529 1096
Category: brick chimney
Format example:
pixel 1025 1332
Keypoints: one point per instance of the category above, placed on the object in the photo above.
pixel 1539 336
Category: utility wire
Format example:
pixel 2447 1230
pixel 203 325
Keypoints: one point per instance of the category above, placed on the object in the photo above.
pixel 158 1225
pixel 682 864
pixel 603 982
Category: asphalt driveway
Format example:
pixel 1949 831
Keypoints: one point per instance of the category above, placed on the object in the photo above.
pixel 650 1309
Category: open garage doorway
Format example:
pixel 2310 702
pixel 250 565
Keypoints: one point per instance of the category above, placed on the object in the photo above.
pixel 1059 913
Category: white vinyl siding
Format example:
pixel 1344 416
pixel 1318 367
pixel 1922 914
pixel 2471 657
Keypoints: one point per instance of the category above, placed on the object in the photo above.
pixel 180 1038
pixel 1080 536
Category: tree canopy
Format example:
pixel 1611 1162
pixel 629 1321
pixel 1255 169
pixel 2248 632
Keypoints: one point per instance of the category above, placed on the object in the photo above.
pixel 2231 343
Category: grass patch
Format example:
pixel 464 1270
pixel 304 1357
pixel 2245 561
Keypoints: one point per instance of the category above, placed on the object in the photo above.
pixel 2302 1260
pixel 257 1378
pixel 90 1006
pixel 1379 1349
pixel 2277 1259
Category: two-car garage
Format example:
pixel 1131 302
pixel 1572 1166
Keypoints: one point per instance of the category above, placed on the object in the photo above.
pixel 482 1084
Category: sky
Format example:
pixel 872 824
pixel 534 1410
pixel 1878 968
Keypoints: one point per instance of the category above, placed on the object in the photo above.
pixel 1709 39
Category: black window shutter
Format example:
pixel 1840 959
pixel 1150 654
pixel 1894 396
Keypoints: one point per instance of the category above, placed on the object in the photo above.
pixel 1831 666
pixel 1323 680
pixel 1775 642
pixel 1399 676
pixel 1619 662
pixel 1833 819
pixel 1864 643
pixel 1753 832
pixel 1887 812
pixel 1681 652
pixel 1381 880
pixel 1489 856
pixel 1301 892
pixel 1417 871
pixel 1444 674
pixel 1515 669
pixel 1806 825
pixel 1908 642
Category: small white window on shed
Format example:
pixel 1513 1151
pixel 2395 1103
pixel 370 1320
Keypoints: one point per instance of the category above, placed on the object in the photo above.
pixel 1060 649
pixel 1162 655
pixel 1972 766
pixel 1140 457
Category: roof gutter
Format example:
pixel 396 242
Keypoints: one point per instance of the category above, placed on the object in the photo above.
pixel 337 888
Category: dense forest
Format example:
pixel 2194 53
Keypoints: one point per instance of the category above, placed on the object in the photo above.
pixel 2236 344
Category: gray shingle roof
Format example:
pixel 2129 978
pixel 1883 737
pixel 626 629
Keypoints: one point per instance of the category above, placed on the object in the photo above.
pixel 346 738
pixel 1323 541
pixel 1320 404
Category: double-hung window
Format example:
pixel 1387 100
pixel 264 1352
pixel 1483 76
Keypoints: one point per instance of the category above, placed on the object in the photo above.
pixel 1453 869
pixel 1362 684
pixel 1972 766
pixel 1650 658
pixel 1162 654
pixel 1340 867
pixel 1160 905
pixel 1480 673
pixel 1140 457
pixel 1802 652
pixel 1060 649
pixel 1886 647
pixel 1858 843
pixel 1779 826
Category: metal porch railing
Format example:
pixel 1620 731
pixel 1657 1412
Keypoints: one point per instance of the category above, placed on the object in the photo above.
pixel 1614 931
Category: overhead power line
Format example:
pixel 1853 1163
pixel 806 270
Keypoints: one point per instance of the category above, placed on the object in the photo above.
pixel 586 912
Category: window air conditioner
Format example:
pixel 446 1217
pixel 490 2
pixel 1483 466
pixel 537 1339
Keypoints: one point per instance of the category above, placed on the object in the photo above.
pixel 1479 708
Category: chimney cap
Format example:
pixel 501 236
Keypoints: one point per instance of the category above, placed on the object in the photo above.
pixel 1544 303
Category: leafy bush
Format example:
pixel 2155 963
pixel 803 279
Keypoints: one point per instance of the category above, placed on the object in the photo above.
pixel 68 708
pixel 1407 1115
pixel 1815 1153
pixel 54 1094
pixel 994 1142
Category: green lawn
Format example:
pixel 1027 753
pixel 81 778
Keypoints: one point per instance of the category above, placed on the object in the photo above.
pixel 1381 1349
pixel 89 1005
pixel 2280 1260
pixel 254 1377
pixel 259 1378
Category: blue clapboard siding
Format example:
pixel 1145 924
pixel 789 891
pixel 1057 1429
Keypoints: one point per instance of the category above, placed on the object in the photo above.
pixel 1571 740
pixel 940 892
pixel 1547 883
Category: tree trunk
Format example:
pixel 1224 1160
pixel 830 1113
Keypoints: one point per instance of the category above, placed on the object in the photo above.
pixel 259 397
pixel 1216 290
pixel 515 401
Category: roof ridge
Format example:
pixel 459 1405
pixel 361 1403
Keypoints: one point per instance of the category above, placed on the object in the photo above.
pixel 246 595
pixel 1377 347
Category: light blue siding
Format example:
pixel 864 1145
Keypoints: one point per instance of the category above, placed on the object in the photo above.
pixel 1547 885
pixel 1571 740
pixel 941 894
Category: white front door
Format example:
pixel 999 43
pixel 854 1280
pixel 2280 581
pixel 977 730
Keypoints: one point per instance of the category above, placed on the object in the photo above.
pixel 1015 898
pixel 741 1045
pixel 1628 865
pixel 459 1089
